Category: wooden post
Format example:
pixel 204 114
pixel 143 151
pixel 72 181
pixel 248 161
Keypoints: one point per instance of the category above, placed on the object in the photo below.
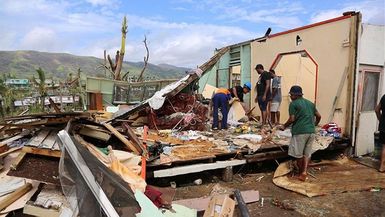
pixel 227 175
pixel 144 163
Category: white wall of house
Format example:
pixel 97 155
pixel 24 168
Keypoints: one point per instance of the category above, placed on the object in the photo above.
pixel 372 45
pixel 372 48
pixel 371 60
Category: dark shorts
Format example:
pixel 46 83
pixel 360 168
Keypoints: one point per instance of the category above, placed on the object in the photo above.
pixel 382 137
pixel 262 104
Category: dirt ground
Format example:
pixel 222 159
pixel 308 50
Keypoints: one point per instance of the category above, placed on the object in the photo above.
pixel 362 203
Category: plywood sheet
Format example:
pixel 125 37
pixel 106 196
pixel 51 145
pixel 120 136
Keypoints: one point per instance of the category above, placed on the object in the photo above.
pixel 208 91
pixel 49 141
pixel 38 139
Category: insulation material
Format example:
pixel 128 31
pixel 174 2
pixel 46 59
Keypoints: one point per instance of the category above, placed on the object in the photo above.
pixel 333 177
pixel 133 179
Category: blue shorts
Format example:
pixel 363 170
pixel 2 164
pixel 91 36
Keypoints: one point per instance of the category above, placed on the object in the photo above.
pixel 262 104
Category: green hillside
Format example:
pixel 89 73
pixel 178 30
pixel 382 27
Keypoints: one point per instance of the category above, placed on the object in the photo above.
pixel 22 64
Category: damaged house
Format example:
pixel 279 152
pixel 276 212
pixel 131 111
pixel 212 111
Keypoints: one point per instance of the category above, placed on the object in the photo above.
pixel 339 63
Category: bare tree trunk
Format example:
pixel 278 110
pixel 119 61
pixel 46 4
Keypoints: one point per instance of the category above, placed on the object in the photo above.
pixel 145 59
pixel 42 98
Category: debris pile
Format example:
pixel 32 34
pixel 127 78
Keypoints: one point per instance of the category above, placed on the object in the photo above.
pixel 102 163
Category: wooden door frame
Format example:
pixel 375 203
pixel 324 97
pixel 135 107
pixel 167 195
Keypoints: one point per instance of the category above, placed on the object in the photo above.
pixel 363 69
pixel 280 55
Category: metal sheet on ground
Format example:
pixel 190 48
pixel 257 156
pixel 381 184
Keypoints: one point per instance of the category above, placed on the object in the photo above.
pixel 337 176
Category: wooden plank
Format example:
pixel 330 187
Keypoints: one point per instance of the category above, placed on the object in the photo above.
pixel 336 97
pixel 200 203
pixel 123 139
pixel 87 175
pixel 33 210
pixel 20 202
pixel 95 132
pixel 131 134
pixel 52 103
pixel 42 151
pixel 3 148
pixel 14 138
pixel 15 195
pixel 18 160
pixel 271 155
pixel 49 141
pixel 10 151
pixel 38 139
pixel 196 168
pixel 95 151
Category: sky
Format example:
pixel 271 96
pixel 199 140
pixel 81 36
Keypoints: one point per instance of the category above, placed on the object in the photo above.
pixel 179 32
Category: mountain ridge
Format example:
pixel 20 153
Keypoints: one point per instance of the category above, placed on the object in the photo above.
pixel 23 64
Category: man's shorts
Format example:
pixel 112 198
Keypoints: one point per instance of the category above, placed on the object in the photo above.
pixel 382 137
pixel 301 145
pixel 262 104
pixel 274 106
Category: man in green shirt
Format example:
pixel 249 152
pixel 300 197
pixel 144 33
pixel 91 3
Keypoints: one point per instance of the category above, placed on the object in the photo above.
pixel 302 113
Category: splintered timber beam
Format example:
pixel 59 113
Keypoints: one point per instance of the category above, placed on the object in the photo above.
pixel 18 160
pixel 15 195
pixel 123 139
pixel 42 151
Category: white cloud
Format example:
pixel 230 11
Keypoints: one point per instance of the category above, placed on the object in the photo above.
pixel 180 44
pixel 42 39
pixel 372 12
pixel 281 14
pixel 99 2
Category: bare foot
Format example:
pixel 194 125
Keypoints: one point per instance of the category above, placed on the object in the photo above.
pixel 381 170
pixel 302 177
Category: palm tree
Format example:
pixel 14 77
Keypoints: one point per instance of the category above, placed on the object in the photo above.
pixel 40 85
